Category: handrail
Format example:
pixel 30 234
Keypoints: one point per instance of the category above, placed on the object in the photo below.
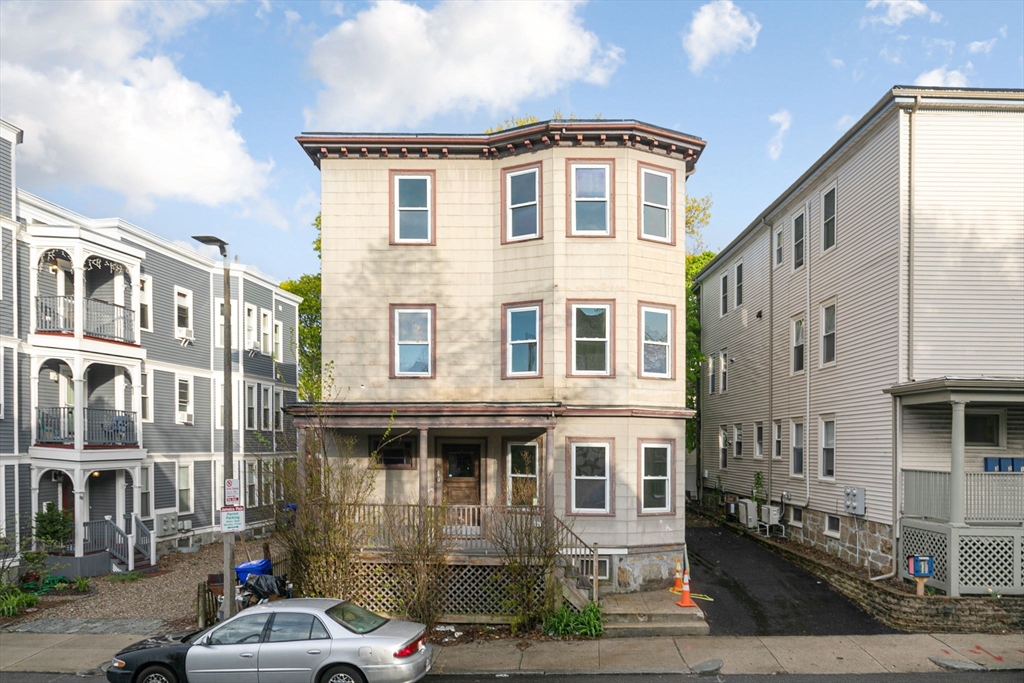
pixel 144 539
pixel 95 536
pixel 118 544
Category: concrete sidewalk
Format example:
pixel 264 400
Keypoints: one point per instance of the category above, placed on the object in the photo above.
pixel 68 653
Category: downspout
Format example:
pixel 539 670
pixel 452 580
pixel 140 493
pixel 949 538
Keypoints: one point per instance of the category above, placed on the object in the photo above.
pixel 807 358
pixel 771 356
pixel 698 422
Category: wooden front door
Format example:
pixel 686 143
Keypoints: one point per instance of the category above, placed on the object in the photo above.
pixel 461 463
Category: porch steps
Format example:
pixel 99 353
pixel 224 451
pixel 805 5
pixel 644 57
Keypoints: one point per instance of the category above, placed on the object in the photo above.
pixel 142 564
pixel 652 613
pixel 575 588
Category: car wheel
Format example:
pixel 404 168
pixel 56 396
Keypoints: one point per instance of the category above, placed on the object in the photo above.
pixel 156 674
pixel 342 674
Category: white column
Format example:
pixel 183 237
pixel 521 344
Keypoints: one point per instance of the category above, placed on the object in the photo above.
pixel 424 473
pixel 78 378
pixel 137 404
pixel 79 301
pixel 78 477
pixel 957 475
pixel 137 492
pixel 549 468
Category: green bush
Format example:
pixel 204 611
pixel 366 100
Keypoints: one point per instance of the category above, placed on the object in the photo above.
pixel 54 527
pixel 82 584
pixel 14 602
pixel 565 622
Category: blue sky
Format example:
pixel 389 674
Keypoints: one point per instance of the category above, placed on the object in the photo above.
pixel 181 117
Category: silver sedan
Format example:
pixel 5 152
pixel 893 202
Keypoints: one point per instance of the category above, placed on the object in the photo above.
pixel 307 640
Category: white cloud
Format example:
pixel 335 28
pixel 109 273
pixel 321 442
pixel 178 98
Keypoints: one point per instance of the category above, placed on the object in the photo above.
pixel 981 46
pixel 97 112
pixel 397 64
pixel 719 28
pixel 783 119
pixel 291 17
pixel 942 77
pixel 264 9
pixel 898 11
pixel 1002 31
pixel 844 122
pixel 891 56
pixel 946 46
pixel 836 62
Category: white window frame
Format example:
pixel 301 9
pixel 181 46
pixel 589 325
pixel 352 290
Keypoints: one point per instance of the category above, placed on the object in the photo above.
pixel 266 408
pixel 833 533
pixel 266 332
pixel 723 447
pixel 798 332
pixel 797 427
pixel 191 487
pixel 799 244
pixel 777 440
pixel 794 514
pixel 181 417
pixel 606 478
pixel 779 250
pixel 644 477
pixel 145 489
pixel 824 444
pixel 278 342
pixel 823 312
pixel 758 440
pixel 252 498
pixel 218 317
pixel 510 477
pixel 182 332
pixel 723 291
pixel 251 414
pixel 2 355
pixel 146 299
pixel 1000 415
pixel 644 171
pixel 723 372
pixel 145 391
pixel 429 209
pixel 737 285
pixel 249 339
pixel 834 218
pixel 510 343
pixel 645 342
pixel 608 329
pixel 607 199
pixel 509 206
pixel 429 372
pixel 219 404
pixel 712 374
pixel 737 440
pixel 278 410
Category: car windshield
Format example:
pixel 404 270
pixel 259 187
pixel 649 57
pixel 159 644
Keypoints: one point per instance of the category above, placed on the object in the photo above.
pixel 195 635
pixel 355 618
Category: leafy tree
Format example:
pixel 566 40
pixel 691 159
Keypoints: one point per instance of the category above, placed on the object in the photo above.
pixel 698 215
pixel 308 287
pixel 694 357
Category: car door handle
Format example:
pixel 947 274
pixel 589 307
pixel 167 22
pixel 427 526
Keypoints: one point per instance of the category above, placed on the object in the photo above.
pixel 312 652
pixel 247 655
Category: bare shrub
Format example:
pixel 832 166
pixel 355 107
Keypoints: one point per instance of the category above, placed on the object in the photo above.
pixel 415 537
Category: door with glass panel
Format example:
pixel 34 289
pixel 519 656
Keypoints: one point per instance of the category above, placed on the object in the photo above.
pixel 461 464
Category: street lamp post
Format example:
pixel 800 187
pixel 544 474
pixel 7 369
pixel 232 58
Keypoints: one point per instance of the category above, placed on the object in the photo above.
pixel 228 538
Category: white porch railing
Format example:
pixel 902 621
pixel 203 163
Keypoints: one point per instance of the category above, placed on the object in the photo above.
pixel 991 496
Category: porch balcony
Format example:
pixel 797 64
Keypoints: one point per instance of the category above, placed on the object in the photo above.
pixel 103 427
pixel 991 498
pixel 102 320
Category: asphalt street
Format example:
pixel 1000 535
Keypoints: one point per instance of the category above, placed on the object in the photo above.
pixel 758 593
pixel 931 677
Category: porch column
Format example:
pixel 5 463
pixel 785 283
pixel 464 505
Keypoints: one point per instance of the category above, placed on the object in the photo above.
pixel 79 477
pixel 78 410
pixel 137 371
pixel 137 493
pixel 79 271
pixel 957 476
pixel 423 466
pixel 300 459
pixel 549 468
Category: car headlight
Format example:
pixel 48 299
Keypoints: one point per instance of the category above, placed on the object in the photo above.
pixel 117 663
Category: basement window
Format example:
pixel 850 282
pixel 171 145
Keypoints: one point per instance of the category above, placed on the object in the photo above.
pixel 587 568
pixel 832 525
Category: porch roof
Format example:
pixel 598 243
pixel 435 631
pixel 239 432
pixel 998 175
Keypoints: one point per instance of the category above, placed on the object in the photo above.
pixel 960 389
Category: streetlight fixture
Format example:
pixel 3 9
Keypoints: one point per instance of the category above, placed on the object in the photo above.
pixel 228 538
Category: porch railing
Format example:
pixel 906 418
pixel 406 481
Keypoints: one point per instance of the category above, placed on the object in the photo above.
pixel 109 321
pixel 118 544
pixel 144 539
pixel 55 314
pixel 95 536
pixel 990 496
pixel 103 427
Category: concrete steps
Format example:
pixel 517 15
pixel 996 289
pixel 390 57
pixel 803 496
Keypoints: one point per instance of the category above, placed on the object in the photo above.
pixel 652 613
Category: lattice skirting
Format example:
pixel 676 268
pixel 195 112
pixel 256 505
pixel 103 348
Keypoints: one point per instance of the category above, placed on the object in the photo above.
pixel 923 542
pixel 986 561
pixel 471 589
pixel 969 560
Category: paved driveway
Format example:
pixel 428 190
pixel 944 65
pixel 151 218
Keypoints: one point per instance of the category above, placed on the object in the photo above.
pixel 758 593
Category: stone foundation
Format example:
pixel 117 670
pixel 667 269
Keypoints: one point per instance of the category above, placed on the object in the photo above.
pixel 645 571
pixel 861 543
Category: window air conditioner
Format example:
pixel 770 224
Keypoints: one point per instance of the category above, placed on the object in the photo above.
pixel 185 418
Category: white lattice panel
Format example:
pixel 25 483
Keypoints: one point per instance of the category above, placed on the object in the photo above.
pixel 923 542
pixel 985 561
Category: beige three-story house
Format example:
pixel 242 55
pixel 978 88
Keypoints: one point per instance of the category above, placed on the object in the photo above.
pixel 515 301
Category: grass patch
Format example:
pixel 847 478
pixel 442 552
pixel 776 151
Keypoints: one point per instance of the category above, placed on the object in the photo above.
pixel 125 577
pixel 565 622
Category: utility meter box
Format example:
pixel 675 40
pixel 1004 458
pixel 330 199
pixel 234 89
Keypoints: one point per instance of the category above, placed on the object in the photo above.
pixel 769 514
pixel 853 499
pixel 166 523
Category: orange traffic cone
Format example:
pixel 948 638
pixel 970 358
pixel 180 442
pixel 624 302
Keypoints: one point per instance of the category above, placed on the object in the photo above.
pixel 685 600
pixel 677 588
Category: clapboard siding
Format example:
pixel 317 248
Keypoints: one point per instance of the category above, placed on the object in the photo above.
pixel 7 398
pixel 927 437
pixel 202 495
pixel 165 485
pixel 10 499
pixel 100 387
pixel 236 331
pixel 160 344
pixel 6 282
pixel 103 496
pixel 968 305
pixel 6 179
pixel 164 435
pixel 25 521
pixel 24 399
pixel 23 291
pixel 48 490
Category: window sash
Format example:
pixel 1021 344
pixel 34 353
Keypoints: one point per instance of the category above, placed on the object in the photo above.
pixel 798 448
pixel 724 369
pixel 739 284
pixel 828 337
pixel 278 411
pixel 828 212
pixel 587 497
pixel 265 333
pixel 413 348
pixel 983 429
pixel 252 489
pixel 778 248
pixel 184 396
pixel 656 220
pixel 145 493
pixel 723 447
pixel 590 214
pixel 585 350
pixel 798 345
pixel 144 394
pixel 413 213
pixel 250 406
pixel 656 478
pixel 278 348
pixel 759 441
pixel 738 441
pixel 522 218
pixel 522 342
pixel 184 488
pixel 778 440
pixel 725 294
pixel 712 374
pixel 657 342
pixel 828 448
pixel 145 303
pixel 798 241
pixel 265 409
pixel 250 327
